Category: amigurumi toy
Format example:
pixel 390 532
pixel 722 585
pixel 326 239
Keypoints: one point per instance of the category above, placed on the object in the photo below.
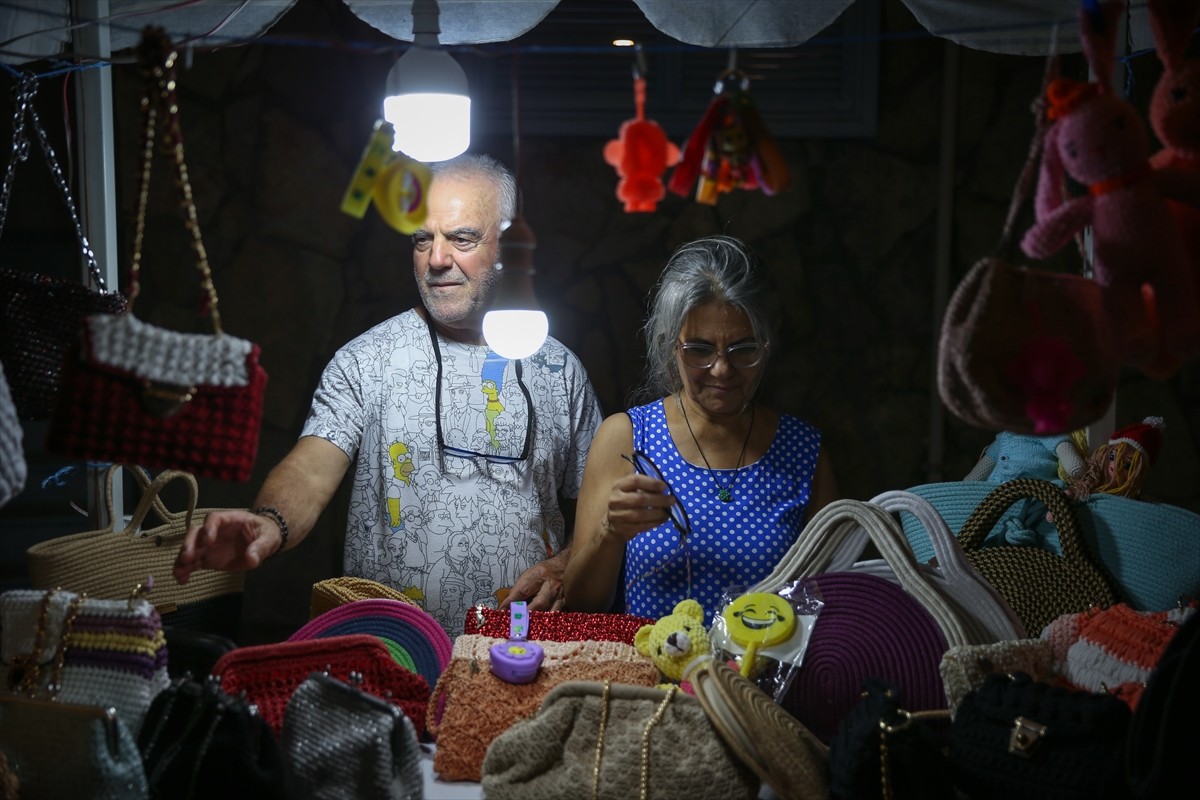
pixel 1175 118
pixel 676 643
pixel 1014 455
pixel 1100 140
pixel 1119 466
pixel 641 155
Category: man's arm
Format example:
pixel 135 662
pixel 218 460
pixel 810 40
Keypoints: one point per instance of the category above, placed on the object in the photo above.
pixel 298 489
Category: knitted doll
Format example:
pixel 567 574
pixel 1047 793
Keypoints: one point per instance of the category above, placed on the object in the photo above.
pixel 641 155
pixel 677 643
pixel 1120 466
pixel 1175 118
pixel 1100 141
pixel 1013 455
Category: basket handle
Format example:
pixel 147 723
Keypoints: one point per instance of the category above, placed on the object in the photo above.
pixel 985 516
pixel 823 536
pixel 150 499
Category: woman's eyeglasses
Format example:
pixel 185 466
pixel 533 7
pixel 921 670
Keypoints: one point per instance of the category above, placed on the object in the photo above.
pixel 703 356
pixel 642 463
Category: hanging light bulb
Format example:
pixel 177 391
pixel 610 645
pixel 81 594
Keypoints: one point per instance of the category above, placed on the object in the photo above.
pixel 515 327
pixel 427 101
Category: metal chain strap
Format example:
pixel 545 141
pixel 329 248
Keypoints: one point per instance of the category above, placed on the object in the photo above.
pixel 24 94
pixel 157 59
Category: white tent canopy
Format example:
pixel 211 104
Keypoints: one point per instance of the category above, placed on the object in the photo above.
pixel 38 29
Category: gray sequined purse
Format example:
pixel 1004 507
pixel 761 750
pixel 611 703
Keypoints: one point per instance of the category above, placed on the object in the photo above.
pixel 341 743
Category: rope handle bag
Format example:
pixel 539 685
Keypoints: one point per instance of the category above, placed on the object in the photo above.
pixel 1036 583
pixel 895 628
pixel 105 562
pixel 990 617
pixel 827 533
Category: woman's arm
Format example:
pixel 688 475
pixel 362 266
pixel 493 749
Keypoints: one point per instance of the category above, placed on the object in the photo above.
pixel 615 504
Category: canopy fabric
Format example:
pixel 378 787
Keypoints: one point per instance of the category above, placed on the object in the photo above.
pixel 38 29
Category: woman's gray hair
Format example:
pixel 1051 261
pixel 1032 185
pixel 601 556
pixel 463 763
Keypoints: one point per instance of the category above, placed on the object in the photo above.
pixel 714 269
pixel 476 165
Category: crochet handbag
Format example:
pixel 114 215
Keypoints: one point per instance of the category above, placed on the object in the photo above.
pixel 965 667
pixel 1150 550
pixel 988 617
pixel 330 593
pixel 1038 584
pixel 413 637
pixel 605 740
pixel 70 648
pixel 883 751
pixel 470 706
pixel 106 562
pixel 342 743
pixel 558 626
pixel 781 751
pixel 40 314
pixel 140 394
pixel 53 750
pixel 869 626
pixel 1161 748
pixel 199 742
pixel 269 674
pixel 13 469
pixel 1017 737
pixel 1023 349
pixel 1112 649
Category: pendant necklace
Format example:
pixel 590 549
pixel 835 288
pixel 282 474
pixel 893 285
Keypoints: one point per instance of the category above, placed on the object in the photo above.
pixel 724 493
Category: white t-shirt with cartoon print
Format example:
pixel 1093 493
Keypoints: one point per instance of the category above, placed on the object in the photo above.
pixel 447 528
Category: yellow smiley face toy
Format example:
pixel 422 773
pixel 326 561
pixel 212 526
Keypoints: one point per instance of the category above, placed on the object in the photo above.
pixel 757 620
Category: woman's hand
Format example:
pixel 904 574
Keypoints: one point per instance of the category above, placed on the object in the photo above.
pixel 636 503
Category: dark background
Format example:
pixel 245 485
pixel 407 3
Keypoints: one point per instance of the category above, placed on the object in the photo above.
pixel 274 130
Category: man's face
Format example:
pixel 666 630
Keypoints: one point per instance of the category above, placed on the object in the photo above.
pixel 455 253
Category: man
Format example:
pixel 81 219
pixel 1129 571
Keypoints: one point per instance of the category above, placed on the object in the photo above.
pixel 439 429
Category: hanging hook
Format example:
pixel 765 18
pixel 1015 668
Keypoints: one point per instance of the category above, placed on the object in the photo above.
pixel 639 62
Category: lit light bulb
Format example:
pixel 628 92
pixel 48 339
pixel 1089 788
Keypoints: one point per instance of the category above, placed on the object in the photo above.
pixel 427 101
pixel 515 327
pixel 515 333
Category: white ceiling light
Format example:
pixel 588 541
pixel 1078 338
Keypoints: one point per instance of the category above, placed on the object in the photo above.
pixel 427 101
pixel 515 327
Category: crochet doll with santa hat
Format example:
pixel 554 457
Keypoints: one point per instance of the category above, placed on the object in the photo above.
pixel 1119 467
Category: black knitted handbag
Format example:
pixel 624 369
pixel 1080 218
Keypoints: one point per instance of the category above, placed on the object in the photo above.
pixel 1017 737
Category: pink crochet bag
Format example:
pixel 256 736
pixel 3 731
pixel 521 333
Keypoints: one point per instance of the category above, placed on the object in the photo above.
pixel 470 706
pixel 1024 349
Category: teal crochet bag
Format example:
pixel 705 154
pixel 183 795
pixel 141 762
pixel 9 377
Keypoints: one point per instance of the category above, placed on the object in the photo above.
pixel 1151 550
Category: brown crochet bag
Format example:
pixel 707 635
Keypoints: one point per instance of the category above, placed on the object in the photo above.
pixel 1026 349
pixel 470 706
pixel 612 742
pixel 1038 584
pixel 333 592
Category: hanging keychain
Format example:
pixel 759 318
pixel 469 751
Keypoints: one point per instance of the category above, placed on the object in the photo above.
pixel 518 659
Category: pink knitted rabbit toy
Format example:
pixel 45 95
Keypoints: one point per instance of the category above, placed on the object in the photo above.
pixel 1100 140
pixel 1175 118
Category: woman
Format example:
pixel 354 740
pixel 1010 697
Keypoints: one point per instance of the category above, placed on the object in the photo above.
pixel 748 477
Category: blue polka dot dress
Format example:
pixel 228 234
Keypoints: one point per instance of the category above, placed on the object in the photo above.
pixel 738 542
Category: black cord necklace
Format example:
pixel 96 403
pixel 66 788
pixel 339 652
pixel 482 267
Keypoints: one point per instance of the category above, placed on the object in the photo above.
pixel 724 493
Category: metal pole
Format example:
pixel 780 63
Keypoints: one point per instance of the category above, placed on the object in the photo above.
pixel 97 191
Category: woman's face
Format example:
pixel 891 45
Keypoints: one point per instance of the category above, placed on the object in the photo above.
pixel 722 388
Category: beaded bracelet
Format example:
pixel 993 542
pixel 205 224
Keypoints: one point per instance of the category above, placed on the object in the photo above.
pixel 274 513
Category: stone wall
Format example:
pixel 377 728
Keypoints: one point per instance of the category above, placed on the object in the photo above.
pixel 273 134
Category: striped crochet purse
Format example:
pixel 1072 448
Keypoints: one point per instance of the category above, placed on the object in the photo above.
pixel 74 649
